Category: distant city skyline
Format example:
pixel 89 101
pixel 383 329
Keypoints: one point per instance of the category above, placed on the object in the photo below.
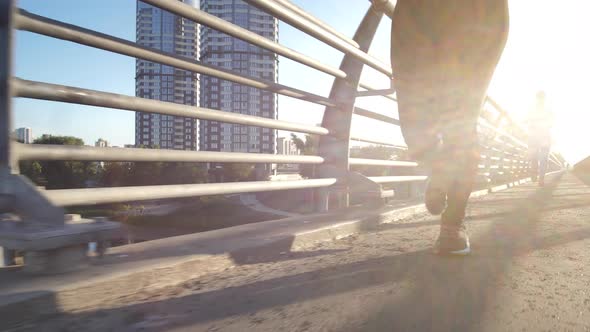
pixel 115 73
pixel 222 51
pixel 533 60
pixel 24 135
pixel 162 30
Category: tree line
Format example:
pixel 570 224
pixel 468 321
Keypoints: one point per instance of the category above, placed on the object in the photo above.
pixel 309 146
pixel 81 174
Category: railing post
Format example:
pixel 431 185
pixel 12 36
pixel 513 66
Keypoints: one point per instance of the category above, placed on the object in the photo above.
pixel 335 147
pixel 6 13
pixel 6 159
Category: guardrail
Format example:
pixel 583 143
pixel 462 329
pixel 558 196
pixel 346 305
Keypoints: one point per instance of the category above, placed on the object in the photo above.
pixel 504 156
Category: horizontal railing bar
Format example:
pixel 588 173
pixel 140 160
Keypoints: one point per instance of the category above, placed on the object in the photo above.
pixel 370 87
pixel 553 159
pixel 386 6
pixel 377 141
pixel 299 11
pixel 67 94
pixel 394 179
pixel 199 16
pixel 373 93
pixel 92 196
pixel 504 113
pixel 72 152
pixel 377 162
pixel 277 10
pixel 502 133
pixel 376 116
pixel 48 27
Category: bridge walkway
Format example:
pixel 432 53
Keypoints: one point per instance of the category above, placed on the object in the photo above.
pixel 529 271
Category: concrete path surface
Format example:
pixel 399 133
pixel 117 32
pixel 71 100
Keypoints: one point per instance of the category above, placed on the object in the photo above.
pixel 530 271
pixel 250 201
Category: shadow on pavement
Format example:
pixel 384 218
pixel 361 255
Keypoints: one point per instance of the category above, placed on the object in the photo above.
pixel 445 294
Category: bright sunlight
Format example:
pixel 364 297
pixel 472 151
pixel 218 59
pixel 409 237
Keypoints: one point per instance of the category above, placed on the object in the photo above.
pixel 547 50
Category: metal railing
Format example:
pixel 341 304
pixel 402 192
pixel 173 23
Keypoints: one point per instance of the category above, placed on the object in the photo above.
pixel 504 157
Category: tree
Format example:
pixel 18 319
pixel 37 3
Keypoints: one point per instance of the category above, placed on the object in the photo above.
pixel 179 173
pixel 32 170
pixel 115 174
pixel 308 147
pixel 237 172
pixel 145 173
pixel 375 152
pixel 299 143
pixel 60 174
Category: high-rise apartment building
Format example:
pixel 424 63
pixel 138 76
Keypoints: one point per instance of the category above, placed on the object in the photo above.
pixel 221 50
pixel 24 135
pixel 161 30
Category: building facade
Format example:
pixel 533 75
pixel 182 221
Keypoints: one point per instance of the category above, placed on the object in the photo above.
pixel 101 143
pixel 286 146
pixel 232 54
pixel 24 135
pixel 161 30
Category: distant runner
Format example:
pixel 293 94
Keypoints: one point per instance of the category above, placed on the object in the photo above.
pixel 540 121
pixel 444 53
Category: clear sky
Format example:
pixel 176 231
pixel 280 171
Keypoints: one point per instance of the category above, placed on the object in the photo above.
pixel 547 49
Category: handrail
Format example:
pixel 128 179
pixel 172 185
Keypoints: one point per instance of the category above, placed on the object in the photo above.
pixel 377 162
pixel 369 87
pixel 294 8
pixel 397 179
pixel 52 28
pixel 72 152
pixel 387 6
pixel 376 116
pixel 94 196
pixel 67 94
pixel 199 16
pixel 377 141
pixel 311 29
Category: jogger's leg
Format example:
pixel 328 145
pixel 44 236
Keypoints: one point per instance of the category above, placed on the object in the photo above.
pixel 534 163
pixel 543 160
pixel 460 143
pixel 462 149
pixel 443 55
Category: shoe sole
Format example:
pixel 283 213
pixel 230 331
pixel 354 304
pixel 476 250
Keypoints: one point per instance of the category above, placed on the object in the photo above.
pixel 463 252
